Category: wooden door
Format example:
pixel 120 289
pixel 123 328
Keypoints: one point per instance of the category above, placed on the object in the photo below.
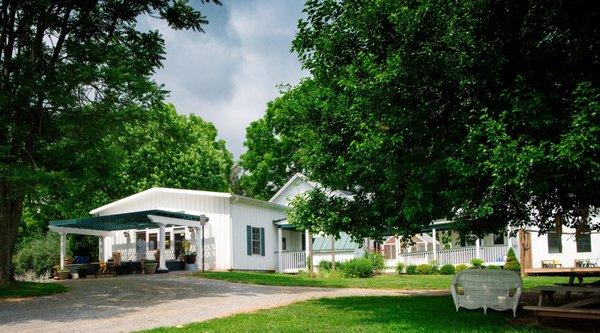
pixel 525 253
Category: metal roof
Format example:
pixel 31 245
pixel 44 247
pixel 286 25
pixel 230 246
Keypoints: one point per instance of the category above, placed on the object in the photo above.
pixel 124 221
pixel 345 243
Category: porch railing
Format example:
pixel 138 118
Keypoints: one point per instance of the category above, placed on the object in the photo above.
pixel 292 262
pixel 463 255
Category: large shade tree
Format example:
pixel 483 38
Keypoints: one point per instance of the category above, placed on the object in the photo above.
pixel 483 112
pixel 71 71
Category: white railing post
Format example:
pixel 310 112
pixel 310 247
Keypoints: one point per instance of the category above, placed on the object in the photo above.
pixel 307 246
pixel 279 250
pixel 477 249
pixel 162 265
pixel 434 244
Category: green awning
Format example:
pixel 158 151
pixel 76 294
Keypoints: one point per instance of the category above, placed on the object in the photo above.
pixel 124 221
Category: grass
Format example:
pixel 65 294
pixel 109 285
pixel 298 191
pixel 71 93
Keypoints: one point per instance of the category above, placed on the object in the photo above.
pixel 378 282
pixel 29 289
pixel 363 314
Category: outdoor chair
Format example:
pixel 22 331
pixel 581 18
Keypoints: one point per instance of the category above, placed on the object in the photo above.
pixel 551 264
pixel 487 288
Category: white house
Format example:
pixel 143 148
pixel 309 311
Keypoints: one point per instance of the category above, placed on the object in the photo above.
pixel 241 233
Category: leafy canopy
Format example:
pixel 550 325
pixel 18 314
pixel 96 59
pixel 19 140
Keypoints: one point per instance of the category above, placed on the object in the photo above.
pixel 482 112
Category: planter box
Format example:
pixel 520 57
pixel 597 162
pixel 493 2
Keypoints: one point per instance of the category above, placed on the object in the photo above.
pixel 191 267
pixel 150 268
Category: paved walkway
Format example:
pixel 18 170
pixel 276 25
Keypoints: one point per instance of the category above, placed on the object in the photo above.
pixel 136 302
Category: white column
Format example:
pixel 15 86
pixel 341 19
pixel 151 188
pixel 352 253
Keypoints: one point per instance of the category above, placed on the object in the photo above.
pixel 477 249
pixel 433 234
pixel 199 249
pixel 63 249
pixel 279 250
pixel 162 265
pixel 101 256
pixel 307 243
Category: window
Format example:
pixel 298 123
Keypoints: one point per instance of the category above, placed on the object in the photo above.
pixel 554 242
pixel 152 241
pixel 303 241
pixel 498 239
pixel 283 244
pixel 167 240
pixel 583 240
pixel 255 240
pixel 467 240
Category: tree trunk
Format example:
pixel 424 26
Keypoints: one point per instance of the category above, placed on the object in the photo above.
pixel 11 210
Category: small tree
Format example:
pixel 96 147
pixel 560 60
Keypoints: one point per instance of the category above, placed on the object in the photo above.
pixel 512 263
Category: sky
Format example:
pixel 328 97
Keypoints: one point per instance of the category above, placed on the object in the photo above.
pixel 229 73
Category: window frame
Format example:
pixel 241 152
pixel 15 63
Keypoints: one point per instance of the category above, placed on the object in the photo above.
pixel 550 242
pixel 256 244
pixel 583 232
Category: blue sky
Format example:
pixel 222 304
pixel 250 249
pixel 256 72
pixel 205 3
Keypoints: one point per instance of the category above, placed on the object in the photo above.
pixel 228 74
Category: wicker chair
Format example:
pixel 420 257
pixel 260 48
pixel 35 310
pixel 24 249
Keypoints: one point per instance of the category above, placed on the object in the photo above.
pixel 487 288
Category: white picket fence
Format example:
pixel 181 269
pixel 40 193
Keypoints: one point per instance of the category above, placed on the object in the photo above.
pixel 292 262
pixel 490 254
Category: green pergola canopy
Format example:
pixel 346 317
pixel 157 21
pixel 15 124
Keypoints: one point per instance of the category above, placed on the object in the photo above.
pixel 125 221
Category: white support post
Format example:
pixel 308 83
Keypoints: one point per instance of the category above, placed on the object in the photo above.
pixel 101 256
pixel 279 250
pixel 477 249
pixel 162 265
pixel 307 246
pixel 433 235
pixel 63 249
pixel 397 247
pixel 199 249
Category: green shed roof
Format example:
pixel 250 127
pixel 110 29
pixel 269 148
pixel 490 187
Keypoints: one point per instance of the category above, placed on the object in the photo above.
pixel 125 221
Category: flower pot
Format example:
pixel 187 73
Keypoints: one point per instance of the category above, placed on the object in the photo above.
pixel 82 273
pixel 63 275
pixel 150 267
pixel 190 258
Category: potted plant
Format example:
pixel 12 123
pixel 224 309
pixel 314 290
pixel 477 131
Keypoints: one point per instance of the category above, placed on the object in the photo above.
pixel 62 273
pixel 150 266
pixel 190 258
pixel 82 271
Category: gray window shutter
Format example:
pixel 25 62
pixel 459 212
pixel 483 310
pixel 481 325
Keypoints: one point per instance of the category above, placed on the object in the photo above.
pixel 262 242
pixel 249 239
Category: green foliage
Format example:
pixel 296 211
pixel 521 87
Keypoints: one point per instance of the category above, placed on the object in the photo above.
pixel 426 269
pixel 75 76
pixel 326 265
pixel 512 263
pixel 38 255
pixel 358 268
pixel 443 108
pixel 400 268
pixel 411 269
pixel 377 261
pixel 492 267
pixel 447 269
pixel 477 263
pixel 461 267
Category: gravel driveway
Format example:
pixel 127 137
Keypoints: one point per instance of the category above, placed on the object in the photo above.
pixel 136 302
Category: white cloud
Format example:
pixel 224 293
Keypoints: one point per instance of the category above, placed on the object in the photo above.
pixel 228 75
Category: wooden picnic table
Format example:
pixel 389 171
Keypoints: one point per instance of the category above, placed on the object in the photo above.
pixel 575 309
pixel 571 272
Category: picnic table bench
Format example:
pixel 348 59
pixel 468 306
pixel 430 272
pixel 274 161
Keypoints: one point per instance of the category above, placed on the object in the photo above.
pixel 569 310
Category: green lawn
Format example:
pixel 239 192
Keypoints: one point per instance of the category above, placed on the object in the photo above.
pixel 378 282
pixel 29 289
pixel 363 314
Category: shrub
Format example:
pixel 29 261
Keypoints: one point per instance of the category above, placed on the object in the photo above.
pixel 411 269
pixel 38 255
pixel 377 261
pixel 326 265
pixel 512 264
pixel 358 268
pixel 492 267
pixel 425 269
pixel 460 268
pixel 477 263
pixel 447 269
pixel 400 268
